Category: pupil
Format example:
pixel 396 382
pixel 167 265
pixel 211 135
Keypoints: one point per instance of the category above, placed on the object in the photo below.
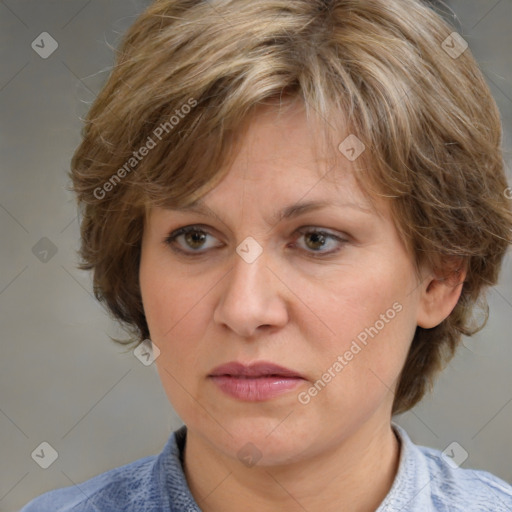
pixel 195 238
pixel 317 238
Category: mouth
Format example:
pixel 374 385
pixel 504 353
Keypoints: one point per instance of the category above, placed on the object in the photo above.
pixel 257 382
pixel 258 370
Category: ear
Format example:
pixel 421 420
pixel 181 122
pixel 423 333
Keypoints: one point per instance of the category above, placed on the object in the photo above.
pixel 440 293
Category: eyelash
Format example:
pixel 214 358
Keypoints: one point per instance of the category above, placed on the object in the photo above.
pixel 170 240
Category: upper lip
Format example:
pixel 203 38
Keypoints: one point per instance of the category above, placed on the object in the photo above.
pixel 257 369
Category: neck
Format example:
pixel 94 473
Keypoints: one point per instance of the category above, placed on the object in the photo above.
pixel 355 475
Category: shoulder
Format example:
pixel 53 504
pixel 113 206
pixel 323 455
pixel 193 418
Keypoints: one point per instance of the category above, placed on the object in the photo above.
pixel 457 489
pixel 433 481
pixel 129 488
pixel 152 484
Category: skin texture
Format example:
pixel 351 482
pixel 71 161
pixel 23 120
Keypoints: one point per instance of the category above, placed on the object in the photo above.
pixel 338 451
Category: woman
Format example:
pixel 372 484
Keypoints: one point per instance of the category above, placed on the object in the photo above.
pixel 299 204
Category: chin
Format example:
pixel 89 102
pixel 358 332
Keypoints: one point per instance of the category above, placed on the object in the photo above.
pixel 260 440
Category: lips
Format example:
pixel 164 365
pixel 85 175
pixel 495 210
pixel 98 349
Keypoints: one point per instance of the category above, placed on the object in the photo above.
pixel 254 370
pixel 257 382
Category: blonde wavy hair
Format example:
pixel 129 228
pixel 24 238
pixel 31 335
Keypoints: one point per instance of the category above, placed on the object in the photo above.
pixel 187 77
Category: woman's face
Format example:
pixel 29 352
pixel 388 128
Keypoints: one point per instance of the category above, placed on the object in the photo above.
pixel 328 292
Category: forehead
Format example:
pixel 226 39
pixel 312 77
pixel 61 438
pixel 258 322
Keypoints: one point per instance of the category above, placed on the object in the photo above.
pixel 285 163
pixel 284 135
pixel 284 156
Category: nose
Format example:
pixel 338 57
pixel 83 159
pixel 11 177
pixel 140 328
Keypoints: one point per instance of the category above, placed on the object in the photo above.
pixel 252 298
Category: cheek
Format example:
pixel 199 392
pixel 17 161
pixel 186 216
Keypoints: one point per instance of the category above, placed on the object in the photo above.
pixel 372 319
pixel 172 300
pixel 169 307
pixel 172 308
pixel 176 309
pixel 175 327
pixel 353 302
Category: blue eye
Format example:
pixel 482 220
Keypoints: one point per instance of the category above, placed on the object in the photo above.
pixel 191 240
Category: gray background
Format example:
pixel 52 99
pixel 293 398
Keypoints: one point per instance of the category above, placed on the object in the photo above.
pixel 61 379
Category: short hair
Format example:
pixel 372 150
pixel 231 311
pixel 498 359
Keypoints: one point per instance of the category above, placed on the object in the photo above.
pixel 187 78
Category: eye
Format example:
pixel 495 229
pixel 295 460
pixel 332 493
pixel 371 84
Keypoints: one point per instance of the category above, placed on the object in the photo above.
pixel 190 239
pixel 193 241
pixel 317 239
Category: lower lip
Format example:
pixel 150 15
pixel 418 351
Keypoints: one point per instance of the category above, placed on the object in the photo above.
pixel 255 389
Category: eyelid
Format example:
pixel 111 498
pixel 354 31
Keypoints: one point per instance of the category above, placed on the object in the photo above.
pixel 341 240
pixel 171 237
pixel 191 227
pixel 325 231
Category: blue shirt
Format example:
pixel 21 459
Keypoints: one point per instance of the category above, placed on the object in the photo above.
pixel 425 482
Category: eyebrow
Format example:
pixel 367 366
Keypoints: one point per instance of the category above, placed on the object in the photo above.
pixel 288 212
